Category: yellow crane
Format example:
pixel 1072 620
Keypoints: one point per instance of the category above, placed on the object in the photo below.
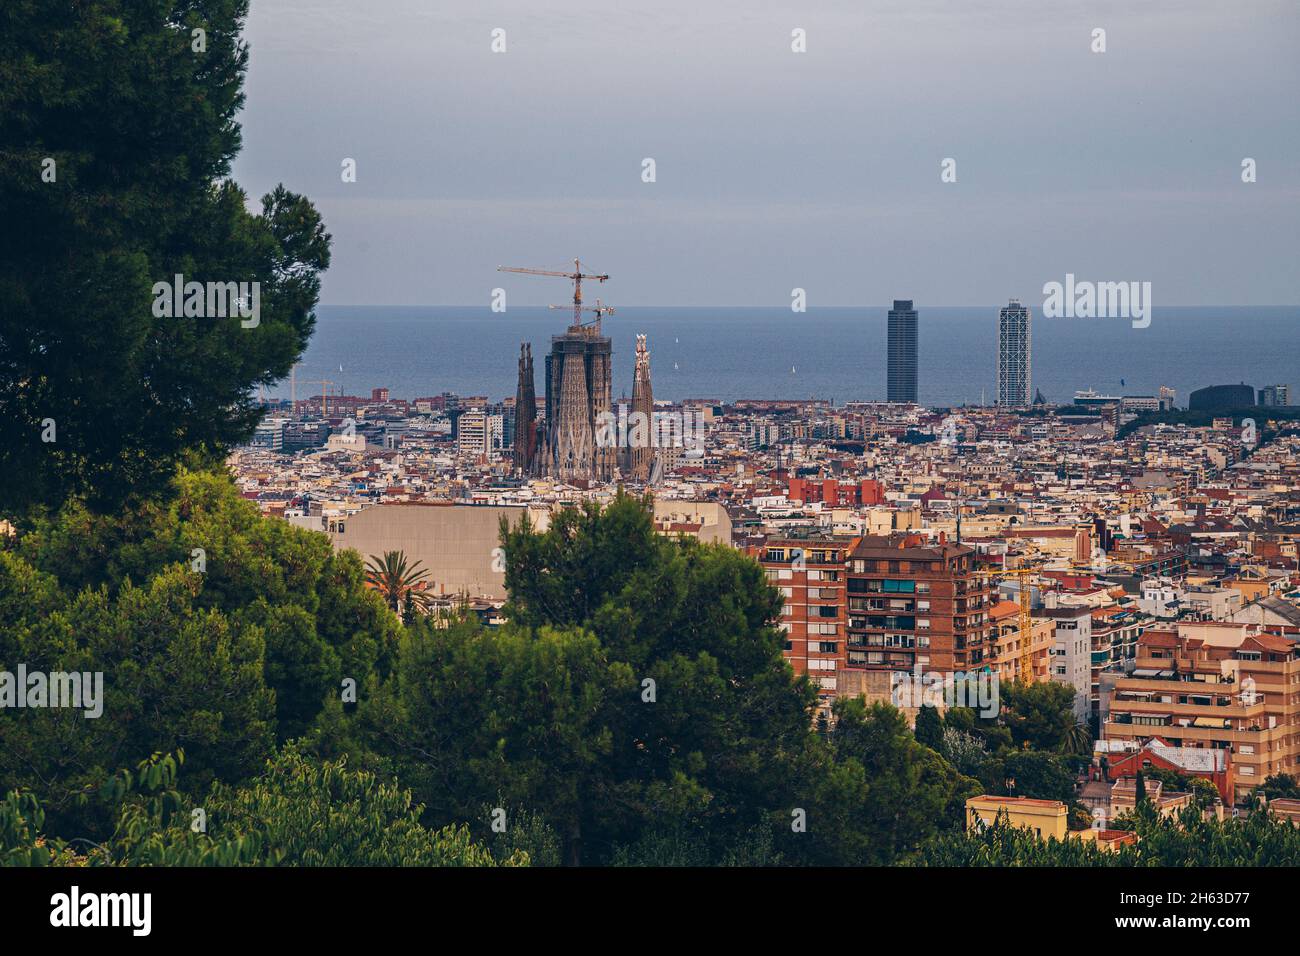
pixel 1026 624
pixel 324 397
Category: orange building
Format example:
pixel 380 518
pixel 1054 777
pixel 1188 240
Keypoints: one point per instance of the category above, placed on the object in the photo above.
pixel 916 606
pixel 809 573
pixel 1214 685
pixel 1009 648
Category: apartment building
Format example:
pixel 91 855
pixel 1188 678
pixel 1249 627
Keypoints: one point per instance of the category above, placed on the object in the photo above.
pixel 1214 685
pixel 1010 647
pixel 1071 661
pixel 809 573
pixel 911 605
pixel 1114 636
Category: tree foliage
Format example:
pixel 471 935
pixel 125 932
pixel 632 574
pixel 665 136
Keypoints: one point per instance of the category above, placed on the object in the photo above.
pixel 1185 840
pixel 140 127
pixel 222 661
pixel 296 813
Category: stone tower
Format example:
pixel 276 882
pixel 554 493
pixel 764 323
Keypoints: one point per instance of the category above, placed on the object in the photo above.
pixel 640 451
pixel 525 457
pixel 578 386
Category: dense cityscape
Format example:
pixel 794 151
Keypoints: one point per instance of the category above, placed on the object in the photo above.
pixel 732 563
pixel 904 540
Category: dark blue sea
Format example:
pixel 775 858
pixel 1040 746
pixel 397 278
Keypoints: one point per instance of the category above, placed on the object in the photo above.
pixel 830 353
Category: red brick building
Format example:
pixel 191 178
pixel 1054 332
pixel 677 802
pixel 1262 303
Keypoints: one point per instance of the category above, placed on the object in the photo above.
pixel 833 494
pixel 1213 765
pixel 809 573
pixel 910 604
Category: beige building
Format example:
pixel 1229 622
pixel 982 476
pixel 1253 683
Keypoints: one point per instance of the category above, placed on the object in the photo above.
pixel 456 544
pixel 706 520
pixel 1215 685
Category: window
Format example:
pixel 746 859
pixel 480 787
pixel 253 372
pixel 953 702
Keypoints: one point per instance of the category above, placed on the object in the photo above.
pixel 893 586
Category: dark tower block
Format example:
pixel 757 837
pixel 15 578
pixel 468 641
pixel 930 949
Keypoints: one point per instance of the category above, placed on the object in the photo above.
pixel 902 353
pixel 525 457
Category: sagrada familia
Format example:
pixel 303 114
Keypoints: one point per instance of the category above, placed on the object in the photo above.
pixel 568 445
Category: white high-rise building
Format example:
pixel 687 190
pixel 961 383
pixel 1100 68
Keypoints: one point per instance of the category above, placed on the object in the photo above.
pixel 479 433
pixel 1014 356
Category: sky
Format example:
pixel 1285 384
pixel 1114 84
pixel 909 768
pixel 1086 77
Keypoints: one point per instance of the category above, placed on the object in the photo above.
pixel 777 170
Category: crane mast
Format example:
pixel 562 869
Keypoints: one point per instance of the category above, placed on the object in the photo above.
pixel 576 277
pixel 1026 673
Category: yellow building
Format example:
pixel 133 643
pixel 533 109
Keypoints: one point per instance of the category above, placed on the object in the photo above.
pixel 1048 819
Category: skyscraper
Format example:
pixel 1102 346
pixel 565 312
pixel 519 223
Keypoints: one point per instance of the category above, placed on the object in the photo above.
pixel 901 385
pixel 1013 355
pixel 1275 395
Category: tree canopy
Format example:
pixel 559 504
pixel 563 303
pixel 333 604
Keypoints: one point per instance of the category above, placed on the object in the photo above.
pixel 118 125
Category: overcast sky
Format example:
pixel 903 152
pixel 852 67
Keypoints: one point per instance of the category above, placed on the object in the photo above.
pixel 778 169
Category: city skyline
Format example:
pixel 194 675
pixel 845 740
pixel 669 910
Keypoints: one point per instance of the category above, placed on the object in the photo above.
pixel 837 579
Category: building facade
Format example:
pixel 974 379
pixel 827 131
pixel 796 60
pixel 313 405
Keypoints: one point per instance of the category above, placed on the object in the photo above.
pixel 1014 355
pixel 902 352
pixel 915 606
pixel 1275 395
pixel 809 573
pixel 1214 685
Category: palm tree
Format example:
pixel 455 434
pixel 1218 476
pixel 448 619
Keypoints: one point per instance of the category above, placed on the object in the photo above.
pixel 1078 739
pixel 397 581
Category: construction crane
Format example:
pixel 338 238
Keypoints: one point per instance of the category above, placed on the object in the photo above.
pixel 576 276
pixel 1026 625
pixel 324 397
pixel 599 309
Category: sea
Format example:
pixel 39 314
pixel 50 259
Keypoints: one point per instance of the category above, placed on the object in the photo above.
pixel 837 354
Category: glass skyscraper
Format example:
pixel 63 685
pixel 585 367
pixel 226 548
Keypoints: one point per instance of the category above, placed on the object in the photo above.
pixel 901 384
